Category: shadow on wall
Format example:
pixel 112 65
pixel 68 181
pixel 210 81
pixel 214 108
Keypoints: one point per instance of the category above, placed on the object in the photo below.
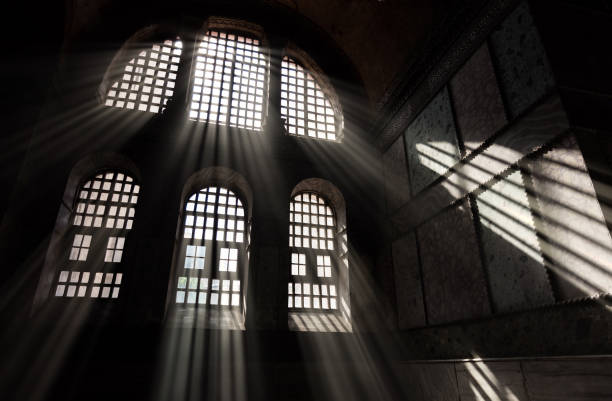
pixel 540 221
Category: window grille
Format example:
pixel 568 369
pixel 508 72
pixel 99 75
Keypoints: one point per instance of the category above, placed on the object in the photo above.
pixel 148 80
pixel 304 107
pixel 312 228
pixel 229 81
pixel 213 249
pixel 103 216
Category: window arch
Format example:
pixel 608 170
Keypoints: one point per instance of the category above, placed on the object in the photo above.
pixel 102 217
pixel 213 250
pixel 147 80
pixel 305 107
pixel 314 272
pixel 230 80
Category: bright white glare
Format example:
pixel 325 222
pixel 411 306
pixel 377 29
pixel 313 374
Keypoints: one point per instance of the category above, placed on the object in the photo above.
pixel 229 81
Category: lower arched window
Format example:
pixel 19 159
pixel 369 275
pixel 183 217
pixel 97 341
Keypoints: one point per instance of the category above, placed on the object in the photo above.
pixel 102 216
pixel 314 274
pixel 213 247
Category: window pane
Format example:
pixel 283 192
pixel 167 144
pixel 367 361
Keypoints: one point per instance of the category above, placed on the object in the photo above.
pixel 304 106
pixel 229 81
pixel 148 80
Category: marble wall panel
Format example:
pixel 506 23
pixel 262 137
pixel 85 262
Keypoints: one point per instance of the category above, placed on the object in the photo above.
pixel 408 288
pixel 526 135
pixel 547 379
pixel 490 381
pixel 562 380
pixel 453 277
pixel 512 256
pixel 431 142
pixel 428 381
pixel 395 170
pixel 479 109
pixel 522 65
pixel 575 239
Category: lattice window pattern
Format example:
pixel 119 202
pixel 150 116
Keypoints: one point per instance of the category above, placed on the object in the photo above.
pixel 80 247
pixel 104 210
pixel 230 81
pixel 195 257
pixel 312 222
pixel 79 284
pixel 228 260
pixel 324 266
pixel 312 296
pixel 107 201
pixel 305 108
pixel 148 80
pixel 298 264
pixel 114 249
pixel 194 290
pixel 214 213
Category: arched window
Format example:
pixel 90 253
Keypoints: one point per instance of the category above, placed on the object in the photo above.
pixel 103 215
pixel 314 272
pixel 212 250
pixel 148 80
pixel 305 108
pixel 230 81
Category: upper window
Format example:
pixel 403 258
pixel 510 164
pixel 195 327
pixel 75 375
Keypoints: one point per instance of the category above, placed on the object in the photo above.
pixel 305 108
pixel 148 80
pixel 103 215
pixel 213 250
pixel 230 81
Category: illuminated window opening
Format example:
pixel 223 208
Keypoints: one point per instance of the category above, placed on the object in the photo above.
pixel 80 247
pixel 311 238
pixel 148 80
pixel 114 249
pixel 305 108
pixel 229 83
pixel 103 216
pixel 213 249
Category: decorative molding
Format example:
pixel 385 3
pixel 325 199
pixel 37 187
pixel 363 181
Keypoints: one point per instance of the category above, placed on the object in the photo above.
pixel 223 23
pixel 417 85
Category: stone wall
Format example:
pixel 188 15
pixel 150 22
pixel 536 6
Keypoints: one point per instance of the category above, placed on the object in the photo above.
pixel 502 214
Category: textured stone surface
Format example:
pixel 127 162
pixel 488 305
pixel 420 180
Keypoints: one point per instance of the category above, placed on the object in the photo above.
pixel 512 256
pixel 523 67
pixel 431 143
pixel 490 381
pixel 584 379
pixel 569 379
pixel 429 381
pixel 418 91
pixel 453 276
pixel 408 289
pixel 479 109
pixel 577 328
pixel 395 170
pixel 524 136
pixel 575 239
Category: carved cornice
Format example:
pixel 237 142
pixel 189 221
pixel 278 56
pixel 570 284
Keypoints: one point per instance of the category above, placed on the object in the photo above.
pixel 445 54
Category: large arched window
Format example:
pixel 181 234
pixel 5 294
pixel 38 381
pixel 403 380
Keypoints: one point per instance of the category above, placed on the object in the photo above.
pixel 213 250
pixel 147 80
pixel 102 217
pixel 305 108
pixel 230 80
pixel 314 272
